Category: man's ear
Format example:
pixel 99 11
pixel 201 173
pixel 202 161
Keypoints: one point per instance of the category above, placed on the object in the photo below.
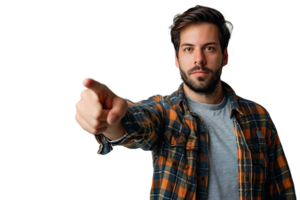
pixel 226 57
pixel 175 60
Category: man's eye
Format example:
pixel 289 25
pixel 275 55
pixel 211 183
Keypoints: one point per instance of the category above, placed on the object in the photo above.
pixel 212 48
pixel 188 49
pixel 209 48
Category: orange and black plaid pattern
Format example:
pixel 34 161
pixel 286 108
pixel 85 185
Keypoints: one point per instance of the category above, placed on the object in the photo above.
pixel 178 139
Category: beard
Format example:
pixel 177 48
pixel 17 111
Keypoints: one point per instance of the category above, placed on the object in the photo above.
pixel 200 86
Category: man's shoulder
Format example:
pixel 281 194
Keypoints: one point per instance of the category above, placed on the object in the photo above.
pixel 254 110
pixel 255 106
pixel 166 101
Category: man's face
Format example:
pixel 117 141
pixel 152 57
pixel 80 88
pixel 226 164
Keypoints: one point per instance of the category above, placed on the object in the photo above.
pixel 200 51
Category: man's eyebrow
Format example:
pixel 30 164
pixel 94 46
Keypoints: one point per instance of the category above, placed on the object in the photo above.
pixel 209 43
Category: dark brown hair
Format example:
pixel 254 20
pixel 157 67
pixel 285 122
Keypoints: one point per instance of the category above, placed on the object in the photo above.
pixel 197 15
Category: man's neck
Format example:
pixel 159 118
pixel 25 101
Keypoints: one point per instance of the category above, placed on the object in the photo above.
pixel 215 98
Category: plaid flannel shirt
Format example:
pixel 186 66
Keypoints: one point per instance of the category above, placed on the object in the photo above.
pixel 178 140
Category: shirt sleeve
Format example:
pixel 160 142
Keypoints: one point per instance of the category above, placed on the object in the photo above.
pixel 143 123
pixel 280 183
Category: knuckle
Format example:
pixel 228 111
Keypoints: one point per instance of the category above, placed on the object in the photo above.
pixel 94 131
pixel 96 123
pixel 74 118
pixel 97 112
pixel 96 115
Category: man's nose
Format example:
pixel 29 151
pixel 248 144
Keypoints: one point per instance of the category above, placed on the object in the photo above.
pixel 199 57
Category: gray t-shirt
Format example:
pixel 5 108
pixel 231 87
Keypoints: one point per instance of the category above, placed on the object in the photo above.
pixel 222 153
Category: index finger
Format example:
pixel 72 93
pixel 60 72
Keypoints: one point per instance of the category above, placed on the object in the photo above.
pixel 93 85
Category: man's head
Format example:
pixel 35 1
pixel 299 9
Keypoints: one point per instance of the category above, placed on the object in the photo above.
pixel 200 38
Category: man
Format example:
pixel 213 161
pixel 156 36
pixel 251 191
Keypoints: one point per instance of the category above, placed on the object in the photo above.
pixel 206 142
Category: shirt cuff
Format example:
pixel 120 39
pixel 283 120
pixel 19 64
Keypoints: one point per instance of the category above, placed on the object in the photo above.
pixel 114 141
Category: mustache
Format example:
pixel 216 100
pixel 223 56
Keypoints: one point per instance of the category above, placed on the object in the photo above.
pixel 199 68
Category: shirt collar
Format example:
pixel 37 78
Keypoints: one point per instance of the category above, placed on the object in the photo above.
pixel 235 104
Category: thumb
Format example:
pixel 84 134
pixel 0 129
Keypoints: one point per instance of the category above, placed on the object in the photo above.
pixel 118 111
pixel 111 119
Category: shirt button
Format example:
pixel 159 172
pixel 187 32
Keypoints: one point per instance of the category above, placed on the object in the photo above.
pixel 246 178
